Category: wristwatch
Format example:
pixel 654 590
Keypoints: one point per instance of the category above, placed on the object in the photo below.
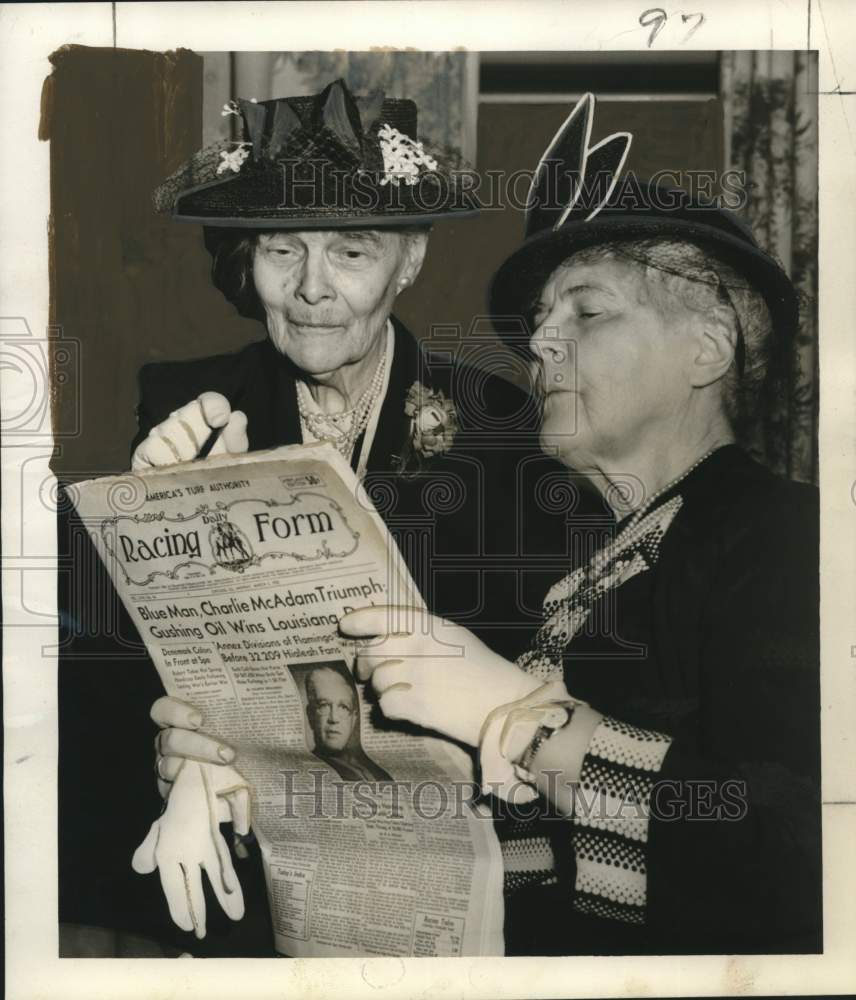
pixel 556 717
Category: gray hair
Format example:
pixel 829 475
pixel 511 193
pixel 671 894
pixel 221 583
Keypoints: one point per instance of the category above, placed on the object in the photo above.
pixel 312 692
pixel 680 274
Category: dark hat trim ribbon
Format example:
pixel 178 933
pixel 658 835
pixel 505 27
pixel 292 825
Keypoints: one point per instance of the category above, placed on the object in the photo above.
pixel 592 208
pixel 565 175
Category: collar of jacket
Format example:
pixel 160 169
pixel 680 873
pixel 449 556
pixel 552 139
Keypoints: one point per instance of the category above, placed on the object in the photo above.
pixel 281 424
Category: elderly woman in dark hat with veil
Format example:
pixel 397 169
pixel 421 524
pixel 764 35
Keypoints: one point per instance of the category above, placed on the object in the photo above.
pixel 316 221
pixel 316 218
pixel 655 753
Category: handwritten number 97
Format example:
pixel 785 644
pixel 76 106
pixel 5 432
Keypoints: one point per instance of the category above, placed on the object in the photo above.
pixel 655 18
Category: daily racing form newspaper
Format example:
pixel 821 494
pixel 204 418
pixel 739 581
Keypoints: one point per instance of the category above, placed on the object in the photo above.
pixel 236 571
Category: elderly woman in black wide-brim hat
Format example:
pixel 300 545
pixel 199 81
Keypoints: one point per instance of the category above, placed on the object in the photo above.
pixel 655 752
pixel 316 218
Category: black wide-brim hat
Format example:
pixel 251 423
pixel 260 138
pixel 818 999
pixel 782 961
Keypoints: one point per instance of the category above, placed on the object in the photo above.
pixel 579 199
pixel 328 161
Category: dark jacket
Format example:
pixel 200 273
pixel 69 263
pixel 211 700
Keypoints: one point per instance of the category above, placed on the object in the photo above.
pixel 717 646
pixel 462 521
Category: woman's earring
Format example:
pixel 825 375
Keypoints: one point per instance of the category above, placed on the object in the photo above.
pixel 402 284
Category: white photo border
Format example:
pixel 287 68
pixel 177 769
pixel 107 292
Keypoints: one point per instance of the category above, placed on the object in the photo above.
pixel 28 34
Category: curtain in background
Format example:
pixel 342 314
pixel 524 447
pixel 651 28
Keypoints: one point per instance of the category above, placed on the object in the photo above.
pixel 444 85
pixel 770 101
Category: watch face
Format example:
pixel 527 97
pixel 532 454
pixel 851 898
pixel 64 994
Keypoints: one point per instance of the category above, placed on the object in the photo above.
pixel 556 717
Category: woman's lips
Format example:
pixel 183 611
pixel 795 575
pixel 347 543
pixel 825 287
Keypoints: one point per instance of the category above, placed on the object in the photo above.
pixel 542 388
pixel 557 391
pixel 316 328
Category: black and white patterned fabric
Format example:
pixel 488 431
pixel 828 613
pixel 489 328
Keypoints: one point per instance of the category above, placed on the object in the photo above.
pixel 609 832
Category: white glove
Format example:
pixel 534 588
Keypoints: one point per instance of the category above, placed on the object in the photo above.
pixel 186 839
pixel 432 672
pixel 182 435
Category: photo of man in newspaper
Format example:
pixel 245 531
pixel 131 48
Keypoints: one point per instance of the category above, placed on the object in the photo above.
pixel 333 720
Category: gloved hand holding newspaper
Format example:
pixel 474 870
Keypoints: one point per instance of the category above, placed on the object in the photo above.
pixel 236 572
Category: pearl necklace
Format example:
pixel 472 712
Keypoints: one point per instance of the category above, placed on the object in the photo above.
pixel 343 428
pixel 649 503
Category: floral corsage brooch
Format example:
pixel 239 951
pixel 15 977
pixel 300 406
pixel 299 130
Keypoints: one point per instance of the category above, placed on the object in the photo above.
pixel 433 425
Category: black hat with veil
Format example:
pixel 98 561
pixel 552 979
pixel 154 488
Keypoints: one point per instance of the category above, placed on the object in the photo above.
pixel 580 200
pixel 328 161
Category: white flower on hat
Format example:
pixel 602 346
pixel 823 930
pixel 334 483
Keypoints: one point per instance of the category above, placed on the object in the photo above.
pixel 234 160
pixel 402 157
pixel 231 107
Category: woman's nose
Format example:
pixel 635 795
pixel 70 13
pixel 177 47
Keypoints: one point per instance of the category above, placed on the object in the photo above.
pixel 548 344
pixel 555 352
pixel 314 285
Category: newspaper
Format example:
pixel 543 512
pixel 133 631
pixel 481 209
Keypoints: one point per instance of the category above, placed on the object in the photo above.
pixel 236 571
